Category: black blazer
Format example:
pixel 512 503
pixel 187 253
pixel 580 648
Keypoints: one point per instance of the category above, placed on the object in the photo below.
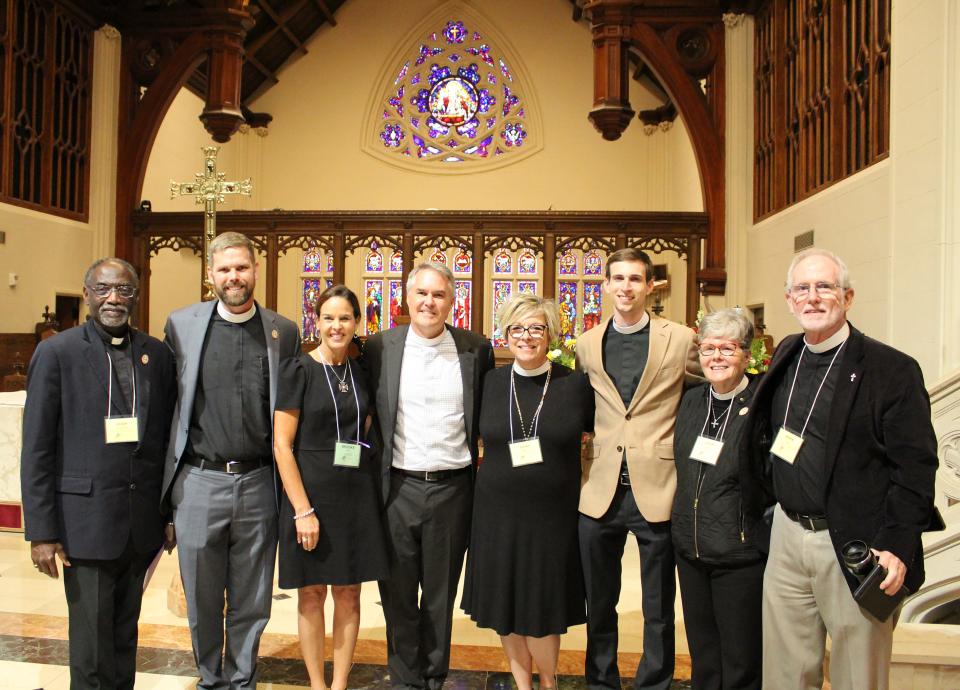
pixel 89 495
pixel 881 449
pixel 383 356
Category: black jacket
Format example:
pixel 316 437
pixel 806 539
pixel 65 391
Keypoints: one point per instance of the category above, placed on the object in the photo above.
pixel 91 496
pixel 722 524
pixel 881 449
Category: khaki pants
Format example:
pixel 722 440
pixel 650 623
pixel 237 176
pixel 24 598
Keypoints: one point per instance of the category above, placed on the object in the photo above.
pixel 805 597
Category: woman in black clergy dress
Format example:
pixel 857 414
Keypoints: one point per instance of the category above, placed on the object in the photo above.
pixel 330 526
pixel 523 575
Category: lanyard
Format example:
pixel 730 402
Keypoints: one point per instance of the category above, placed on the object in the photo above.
pixel 336 413
pixel 815 397
pixel 133 373
pixel 726 417
pixel 535 421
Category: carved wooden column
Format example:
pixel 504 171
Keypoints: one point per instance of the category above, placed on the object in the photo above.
pixel 407 267
pixel 611 20
pixel 479 264
pixel 221 115
pixel 141 248
pixel 273 268
pixel 693 283
pixel 549 265
pixel 621 241
pixel 339 260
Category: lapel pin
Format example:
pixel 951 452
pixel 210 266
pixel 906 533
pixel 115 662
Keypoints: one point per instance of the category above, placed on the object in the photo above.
pixel 852 377
pixel 275 333
pixel 743 411
pixel 144 358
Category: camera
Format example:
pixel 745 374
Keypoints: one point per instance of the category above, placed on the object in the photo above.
pixel 861 562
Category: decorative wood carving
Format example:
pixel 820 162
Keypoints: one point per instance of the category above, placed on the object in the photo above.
pixel 658 245
pixel 353 242
pixel 586 243
pixel 610 22
pixel 177 242
pixel 304 242
pixel 441 242
pixel 513 242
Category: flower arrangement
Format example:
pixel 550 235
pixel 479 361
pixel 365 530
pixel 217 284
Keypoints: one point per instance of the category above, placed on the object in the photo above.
pixel 759 359
pixel 563 352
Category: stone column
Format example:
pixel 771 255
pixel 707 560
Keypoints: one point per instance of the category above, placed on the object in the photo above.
pixel 103 142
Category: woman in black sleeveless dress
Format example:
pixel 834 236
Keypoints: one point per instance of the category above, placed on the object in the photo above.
pixel 330 527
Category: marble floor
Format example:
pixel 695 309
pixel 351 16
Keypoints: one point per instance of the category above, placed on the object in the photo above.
pixel 33 637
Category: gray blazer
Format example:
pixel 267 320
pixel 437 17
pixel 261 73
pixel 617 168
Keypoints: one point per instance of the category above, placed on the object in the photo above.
pixel 383 355
pixel 185 333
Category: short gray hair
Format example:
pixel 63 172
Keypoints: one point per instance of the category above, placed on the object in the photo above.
pixel 431 266
pixel 228 240
pixel 843 273
pixel 88 276
pixel 524 305
pixel 731 323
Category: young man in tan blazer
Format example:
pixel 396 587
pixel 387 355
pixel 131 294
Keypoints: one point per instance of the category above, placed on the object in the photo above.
pixel 637 366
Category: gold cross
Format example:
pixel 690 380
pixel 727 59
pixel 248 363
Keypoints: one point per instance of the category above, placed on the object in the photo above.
pixel 209 188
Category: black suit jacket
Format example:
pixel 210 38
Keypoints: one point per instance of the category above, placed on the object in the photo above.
pixel 89 495
pixel 881 449
pixel 383 355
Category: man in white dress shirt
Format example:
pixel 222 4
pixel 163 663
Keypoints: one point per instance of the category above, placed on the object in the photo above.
pixel 427 378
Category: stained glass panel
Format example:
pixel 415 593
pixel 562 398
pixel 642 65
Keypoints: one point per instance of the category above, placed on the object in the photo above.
pixel 308 325
pixel 502 262
pixel 568 263
pixel 329 262
pixel 396 262
pixel 396 301
pixel 373 302
pixel 462 263
pixel 568 309
pixel 501 293
pixel 592 264
pixel 461 304
pixel 439 257
pixel 527 263
pixel 374 261
pixel 527 286
pixel 312 261
pixel 592 305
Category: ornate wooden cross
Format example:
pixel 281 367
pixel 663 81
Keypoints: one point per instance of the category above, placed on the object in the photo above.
pixel 209 188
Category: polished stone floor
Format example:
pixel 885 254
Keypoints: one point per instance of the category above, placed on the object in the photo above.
pixel 33 637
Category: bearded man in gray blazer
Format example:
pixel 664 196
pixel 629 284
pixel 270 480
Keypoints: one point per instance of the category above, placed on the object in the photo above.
pixel 219 475
pixel 427 380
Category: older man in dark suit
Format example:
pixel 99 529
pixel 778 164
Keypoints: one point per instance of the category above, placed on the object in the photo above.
pixel 854 458
pixel 95 425
pixel 427 379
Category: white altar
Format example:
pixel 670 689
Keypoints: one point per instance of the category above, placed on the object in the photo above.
pixel 11 441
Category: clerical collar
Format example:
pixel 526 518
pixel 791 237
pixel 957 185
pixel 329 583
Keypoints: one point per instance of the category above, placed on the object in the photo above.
pixel 831 342
pixel 109 338
pixel 542 369
pixel 638 326
pixel 744 382
pixel 228 315
pixel 413 337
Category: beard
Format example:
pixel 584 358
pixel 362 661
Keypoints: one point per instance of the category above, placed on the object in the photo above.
pixel 115 317
pixel 233 298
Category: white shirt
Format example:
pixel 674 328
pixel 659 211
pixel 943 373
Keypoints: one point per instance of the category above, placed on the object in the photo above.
pixel 430 407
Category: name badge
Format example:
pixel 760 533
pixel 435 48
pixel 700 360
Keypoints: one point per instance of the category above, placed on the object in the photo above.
pixel 121 429
pixel 786 445
pixel 525 452
pixel 706 450
pixel 347 454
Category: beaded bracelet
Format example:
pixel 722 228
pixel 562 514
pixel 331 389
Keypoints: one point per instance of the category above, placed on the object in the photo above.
pixel 304 514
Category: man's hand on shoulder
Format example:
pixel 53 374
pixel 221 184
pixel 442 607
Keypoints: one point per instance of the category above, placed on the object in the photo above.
pixel 44 555
pixel 896 571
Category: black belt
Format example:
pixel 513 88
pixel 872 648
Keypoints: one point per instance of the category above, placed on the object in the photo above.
pixel 228 466
pixel 432 475
pixel 814 523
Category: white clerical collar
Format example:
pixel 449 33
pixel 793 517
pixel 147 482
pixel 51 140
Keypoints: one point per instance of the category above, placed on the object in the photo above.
pixel 831 342
pixel 542 369
pixel 744 382
pixel 228 315
pixel 638 326
pixel 416 339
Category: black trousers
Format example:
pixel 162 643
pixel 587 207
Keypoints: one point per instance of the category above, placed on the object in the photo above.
pixel 722 614
pixel 428 525
pixel 601 552
pixel 103 605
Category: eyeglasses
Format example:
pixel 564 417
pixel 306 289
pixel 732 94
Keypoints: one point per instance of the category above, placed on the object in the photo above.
pixel 725 350
pixel 536 331
pixel 823 288
pixel 123 290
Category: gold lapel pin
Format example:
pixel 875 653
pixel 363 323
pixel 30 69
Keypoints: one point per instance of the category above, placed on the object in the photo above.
pixel 275 333
pixel 144 358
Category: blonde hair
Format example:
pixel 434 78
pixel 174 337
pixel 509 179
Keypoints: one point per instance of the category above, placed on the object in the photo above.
pixel 524 305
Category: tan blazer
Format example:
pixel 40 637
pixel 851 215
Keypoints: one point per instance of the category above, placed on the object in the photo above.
pixel 644 427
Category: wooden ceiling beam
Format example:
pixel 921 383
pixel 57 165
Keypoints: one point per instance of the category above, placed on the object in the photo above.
pixel 281 22
pixel 322 6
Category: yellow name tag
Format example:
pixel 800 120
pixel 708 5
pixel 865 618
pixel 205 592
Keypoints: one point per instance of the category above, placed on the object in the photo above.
pixel 525 452
pixel 706 450
pixel 786 445
pixel 346 454
pixel 121 429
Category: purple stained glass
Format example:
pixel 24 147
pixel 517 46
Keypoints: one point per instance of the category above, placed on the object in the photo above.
pixel 501 293
pixel 498 152
pixel 455 32
pixel 403 73
pixel 592 264
pixel 468 129
pixel 386 114
pixel 438 257
pixel 312 287
pixel 437 74
pixel 568 263
pixel 521 113
pixel 502 262
pixel 527 262
pixel 485 100
pixel 452 143
pixel 453 101
pixel 509 100
pixel 396 262
pixel 492 78
pixel 392 135
pixel 415 122
pixel 504 71
pixel 513 134
pixel 396 301
pixel 426 52
pixel 476 36
pixel 421 101
pixel 462 263
pixel 312 261
pixel 568 309
pixel 454 57
pixel 491 122
pixel 373 306
pixel 405 152
pixel 415 79
pixel 461 304
pixel 421 147
pixel 374 261
pixel 469 73
pixel 329 263
pixel 397 101
pixel 592 305
pixel 437 129
pixel 528 287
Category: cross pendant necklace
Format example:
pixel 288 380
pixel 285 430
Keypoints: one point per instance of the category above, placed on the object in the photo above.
pixel 341 381
pixel 715 422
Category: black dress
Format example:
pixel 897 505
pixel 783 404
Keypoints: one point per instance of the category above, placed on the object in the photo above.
pixel 523 568
pixel 352 544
